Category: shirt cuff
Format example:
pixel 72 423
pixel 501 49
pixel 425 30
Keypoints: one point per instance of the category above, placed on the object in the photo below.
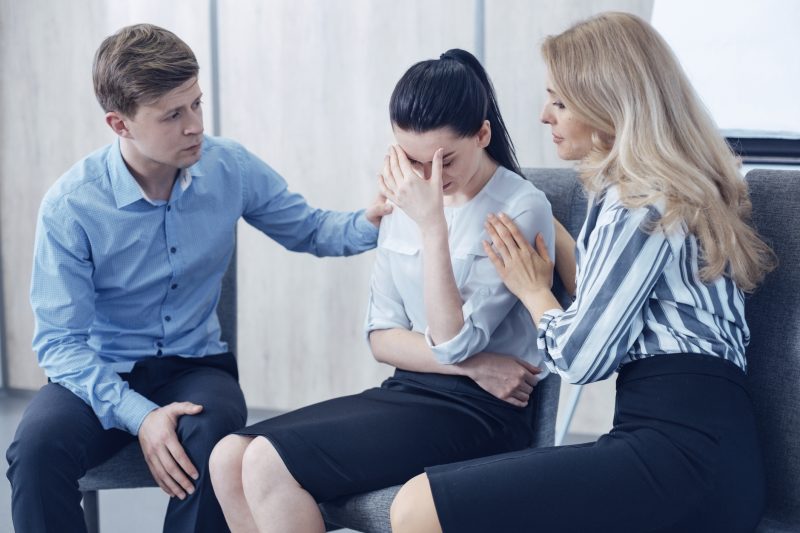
pixel 365 228
pixel 375 325
pixel 545 324
pixel 131 411
pixel 453 351
pixel 459 347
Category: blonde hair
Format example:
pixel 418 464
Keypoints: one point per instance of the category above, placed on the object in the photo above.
pixel 655 140
pixel 139 64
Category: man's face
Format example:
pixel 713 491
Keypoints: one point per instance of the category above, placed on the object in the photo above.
pixel 167 134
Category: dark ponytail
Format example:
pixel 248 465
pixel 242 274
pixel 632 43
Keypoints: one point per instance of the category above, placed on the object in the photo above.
pixel 453 91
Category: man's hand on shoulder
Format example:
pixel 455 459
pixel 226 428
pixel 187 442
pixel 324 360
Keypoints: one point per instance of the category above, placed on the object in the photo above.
pixel 166 458
pixel 379 208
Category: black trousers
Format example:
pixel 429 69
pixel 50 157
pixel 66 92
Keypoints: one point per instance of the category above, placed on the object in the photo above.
pixel 60 438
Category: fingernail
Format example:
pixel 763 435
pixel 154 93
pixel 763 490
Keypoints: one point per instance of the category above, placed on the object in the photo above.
pixel 503 215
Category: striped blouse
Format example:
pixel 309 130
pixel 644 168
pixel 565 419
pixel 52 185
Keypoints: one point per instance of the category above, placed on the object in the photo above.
pixel 639 294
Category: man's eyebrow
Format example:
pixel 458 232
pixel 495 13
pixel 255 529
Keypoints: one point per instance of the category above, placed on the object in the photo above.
pixel 176 108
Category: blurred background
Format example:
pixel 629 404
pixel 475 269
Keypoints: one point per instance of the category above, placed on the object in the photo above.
pixel 305 85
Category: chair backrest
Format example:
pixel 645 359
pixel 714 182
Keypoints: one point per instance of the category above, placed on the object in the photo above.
pixel 564 191
pixel 226 308
pixel 773 314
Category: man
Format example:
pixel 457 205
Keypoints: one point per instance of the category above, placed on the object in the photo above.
pixel 131 247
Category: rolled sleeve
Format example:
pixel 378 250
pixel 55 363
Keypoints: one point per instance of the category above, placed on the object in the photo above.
pixel 472 338
pixel 385 309
pixel 545 341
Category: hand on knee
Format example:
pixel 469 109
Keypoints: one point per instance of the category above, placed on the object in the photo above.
pixel 413 510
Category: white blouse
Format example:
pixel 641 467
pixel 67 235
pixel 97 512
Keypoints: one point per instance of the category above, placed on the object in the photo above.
pixel 494 319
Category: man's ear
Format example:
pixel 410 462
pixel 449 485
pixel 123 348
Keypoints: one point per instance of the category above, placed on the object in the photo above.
pixel 117 122
pixel 485 134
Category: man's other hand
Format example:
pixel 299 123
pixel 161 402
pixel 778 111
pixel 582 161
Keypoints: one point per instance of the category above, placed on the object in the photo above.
pixel 166 458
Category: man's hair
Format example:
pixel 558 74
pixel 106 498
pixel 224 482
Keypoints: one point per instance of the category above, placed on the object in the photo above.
pixel 139 64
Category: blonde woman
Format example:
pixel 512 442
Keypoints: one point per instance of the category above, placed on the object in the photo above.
pixel 663 259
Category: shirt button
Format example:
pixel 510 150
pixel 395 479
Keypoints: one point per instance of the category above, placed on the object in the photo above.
pixel 173 249
pixel 169 208
pixel 158 352
pixel 174 286
pixel 160 344
pixel 167 318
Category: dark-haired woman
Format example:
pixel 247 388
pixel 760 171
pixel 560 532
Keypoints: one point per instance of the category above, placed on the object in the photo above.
pixel 462 344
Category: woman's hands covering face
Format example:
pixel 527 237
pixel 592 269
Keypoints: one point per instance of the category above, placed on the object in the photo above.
pixel 420 197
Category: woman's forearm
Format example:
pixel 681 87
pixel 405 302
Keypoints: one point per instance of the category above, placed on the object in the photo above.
pixel 407 350
pixel 539 301
pixel 442 299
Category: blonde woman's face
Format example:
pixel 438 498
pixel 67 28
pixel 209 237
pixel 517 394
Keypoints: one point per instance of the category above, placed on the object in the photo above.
pixel 573 138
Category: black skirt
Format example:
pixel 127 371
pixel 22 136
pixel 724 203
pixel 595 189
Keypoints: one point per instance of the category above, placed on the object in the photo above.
pixel 682 456
pixel 387 435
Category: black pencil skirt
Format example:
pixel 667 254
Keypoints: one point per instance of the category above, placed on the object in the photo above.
pixel 683 456
pixel 387 435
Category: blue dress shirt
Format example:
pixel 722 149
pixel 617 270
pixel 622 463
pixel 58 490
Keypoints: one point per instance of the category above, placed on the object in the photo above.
pixel 118 278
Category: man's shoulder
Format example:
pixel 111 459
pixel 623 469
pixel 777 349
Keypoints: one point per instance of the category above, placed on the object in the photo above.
pixel 222 145
pixel 83 178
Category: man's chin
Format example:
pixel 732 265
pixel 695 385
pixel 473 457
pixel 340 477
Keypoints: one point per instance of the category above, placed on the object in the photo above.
pixel 189 161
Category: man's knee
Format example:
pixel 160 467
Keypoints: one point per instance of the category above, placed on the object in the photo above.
pixel 200 433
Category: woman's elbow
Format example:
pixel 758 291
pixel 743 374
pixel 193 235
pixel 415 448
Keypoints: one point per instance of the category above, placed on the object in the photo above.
pixel 376 346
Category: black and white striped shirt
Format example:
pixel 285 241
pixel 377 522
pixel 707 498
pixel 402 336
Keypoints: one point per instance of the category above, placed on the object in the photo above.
pixel 639 294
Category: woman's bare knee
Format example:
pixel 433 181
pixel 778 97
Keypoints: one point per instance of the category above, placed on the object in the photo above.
pixel 263 470
pixel 413 509
pixel 225 463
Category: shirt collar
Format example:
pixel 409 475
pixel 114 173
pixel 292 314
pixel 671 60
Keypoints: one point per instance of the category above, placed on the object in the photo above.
pixel 125 187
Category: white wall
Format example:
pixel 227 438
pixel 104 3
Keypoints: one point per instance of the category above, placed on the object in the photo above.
pixel 741 57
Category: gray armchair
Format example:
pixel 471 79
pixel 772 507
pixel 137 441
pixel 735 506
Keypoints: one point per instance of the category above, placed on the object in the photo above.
pixel 773 314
